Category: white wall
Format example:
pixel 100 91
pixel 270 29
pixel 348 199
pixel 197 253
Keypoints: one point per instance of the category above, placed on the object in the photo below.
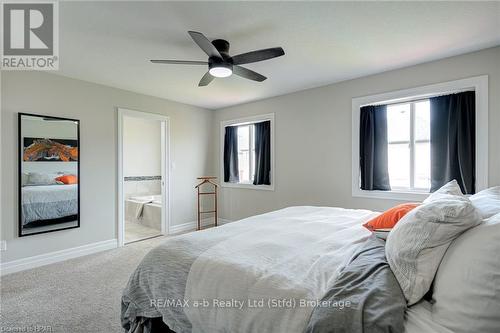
pixel 95 106
pixel 39 128
pixel 141 147
pixel 141 155
pixel 313 135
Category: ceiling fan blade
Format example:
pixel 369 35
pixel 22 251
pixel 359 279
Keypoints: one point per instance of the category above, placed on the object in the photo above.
pixel 259 55
pixel 248 74
pixel 179 62
pixel 205 80
pixel 204 44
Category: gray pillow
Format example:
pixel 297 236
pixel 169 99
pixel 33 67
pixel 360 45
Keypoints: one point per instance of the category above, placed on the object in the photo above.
pixel 36 178
pixel 25 178
pixel 418 242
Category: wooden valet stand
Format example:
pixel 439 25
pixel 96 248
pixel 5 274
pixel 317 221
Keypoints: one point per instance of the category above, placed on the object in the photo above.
pixel 207 180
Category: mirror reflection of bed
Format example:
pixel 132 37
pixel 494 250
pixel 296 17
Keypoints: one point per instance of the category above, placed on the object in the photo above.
pixel 48 174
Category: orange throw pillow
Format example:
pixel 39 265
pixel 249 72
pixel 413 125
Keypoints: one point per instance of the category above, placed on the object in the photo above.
pixel 68 179
pixel 389 218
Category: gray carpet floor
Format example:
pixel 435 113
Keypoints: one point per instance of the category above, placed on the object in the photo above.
pixel 77 295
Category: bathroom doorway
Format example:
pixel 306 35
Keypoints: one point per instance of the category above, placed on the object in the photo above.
pixel 143 175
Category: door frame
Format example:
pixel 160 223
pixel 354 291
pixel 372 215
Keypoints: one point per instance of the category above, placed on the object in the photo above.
pixel 166 210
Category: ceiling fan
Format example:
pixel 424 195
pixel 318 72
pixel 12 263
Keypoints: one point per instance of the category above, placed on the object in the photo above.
pixel 221 64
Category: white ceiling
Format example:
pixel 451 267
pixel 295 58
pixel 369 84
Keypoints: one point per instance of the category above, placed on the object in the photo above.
pixel 325 42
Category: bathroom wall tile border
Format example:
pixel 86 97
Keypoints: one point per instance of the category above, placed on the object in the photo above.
pixel 141 178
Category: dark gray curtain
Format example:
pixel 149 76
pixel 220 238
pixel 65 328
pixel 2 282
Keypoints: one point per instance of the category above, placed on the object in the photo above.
pixel 262 153
pixel 453 140
pixel 231 155
pixel 373 155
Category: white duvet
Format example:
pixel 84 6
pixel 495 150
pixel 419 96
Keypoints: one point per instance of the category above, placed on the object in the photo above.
pixel 291 254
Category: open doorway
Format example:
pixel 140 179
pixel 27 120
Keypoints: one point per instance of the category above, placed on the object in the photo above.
pixel 143 177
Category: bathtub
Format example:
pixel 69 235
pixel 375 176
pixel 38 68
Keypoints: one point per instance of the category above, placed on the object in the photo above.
pixel 150 207
pixel 155 198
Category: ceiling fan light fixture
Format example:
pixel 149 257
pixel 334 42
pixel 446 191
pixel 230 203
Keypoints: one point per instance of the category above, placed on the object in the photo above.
pixel 220 71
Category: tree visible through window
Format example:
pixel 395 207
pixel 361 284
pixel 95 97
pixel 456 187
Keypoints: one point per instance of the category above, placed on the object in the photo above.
pixel 408 134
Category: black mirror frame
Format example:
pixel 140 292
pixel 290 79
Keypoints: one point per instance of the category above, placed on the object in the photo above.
pixel 19 172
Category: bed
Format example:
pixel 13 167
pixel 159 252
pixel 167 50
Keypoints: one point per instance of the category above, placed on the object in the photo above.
pixel 318 269
pixel 49 204
pixel 294 270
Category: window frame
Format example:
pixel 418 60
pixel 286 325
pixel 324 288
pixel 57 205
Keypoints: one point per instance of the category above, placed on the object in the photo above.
pixel 240 122
pixel 478 83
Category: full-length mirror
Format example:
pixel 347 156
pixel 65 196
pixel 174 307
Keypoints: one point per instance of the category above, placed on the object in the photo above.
pixel 49 173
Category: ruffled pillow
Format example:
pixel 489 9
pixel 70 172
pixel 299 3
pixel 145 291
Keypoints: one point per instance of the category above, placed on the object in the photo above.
pixel 418 242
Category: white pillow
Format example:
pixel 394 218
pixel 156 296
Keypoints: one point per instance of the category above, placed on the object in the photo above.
pixel 467 284
pixel 416 245
pixel 451 188
pixel 487 201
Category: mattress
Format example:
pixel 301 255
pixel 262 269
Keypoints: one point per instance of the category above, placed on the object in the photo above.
pixel 48 202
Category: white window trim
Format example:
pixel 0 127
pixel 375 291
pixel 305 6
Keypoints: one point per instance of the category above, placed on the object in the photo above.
pixel 242 121
pixel 478 83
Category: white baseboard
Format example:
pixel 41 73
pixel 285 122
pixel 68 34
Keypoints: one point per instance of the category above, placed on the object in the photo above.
pixel 57 256
pixel 190 226
pixel 79 251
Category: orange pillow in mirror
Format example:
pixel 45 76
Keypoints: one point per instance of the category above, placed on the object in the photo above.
pixel 68 179
pixel 389 218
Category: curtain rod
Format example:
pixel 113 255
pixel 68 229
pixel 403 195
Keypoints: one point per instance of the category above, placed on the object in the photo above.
pixel 405 100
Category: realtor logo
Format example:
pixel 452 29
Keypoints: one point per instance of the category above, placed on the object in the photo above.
pixel 30 36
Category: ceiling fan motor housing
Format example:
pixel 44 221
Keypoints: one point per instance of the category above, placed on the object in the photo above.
pixel 217 62
pixel 222 46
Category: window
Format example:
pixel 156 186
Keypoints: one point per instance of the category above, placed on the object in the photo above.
pixel 246 153
pixel 408 140
pixel 409 154
pixel 246 159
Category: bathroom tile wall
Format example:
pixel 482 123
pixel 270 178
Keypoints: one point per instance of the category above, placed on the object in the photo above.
pixel 134 186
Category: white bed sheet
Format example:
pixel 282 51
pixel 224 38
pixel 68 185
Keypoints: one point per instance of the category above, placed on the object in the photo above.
pixel 419 320
pixel 47 202
pixel 258 265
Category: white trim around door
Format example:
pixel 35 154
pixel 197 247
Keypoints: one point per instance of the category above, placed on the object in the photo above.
pixel 166 211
